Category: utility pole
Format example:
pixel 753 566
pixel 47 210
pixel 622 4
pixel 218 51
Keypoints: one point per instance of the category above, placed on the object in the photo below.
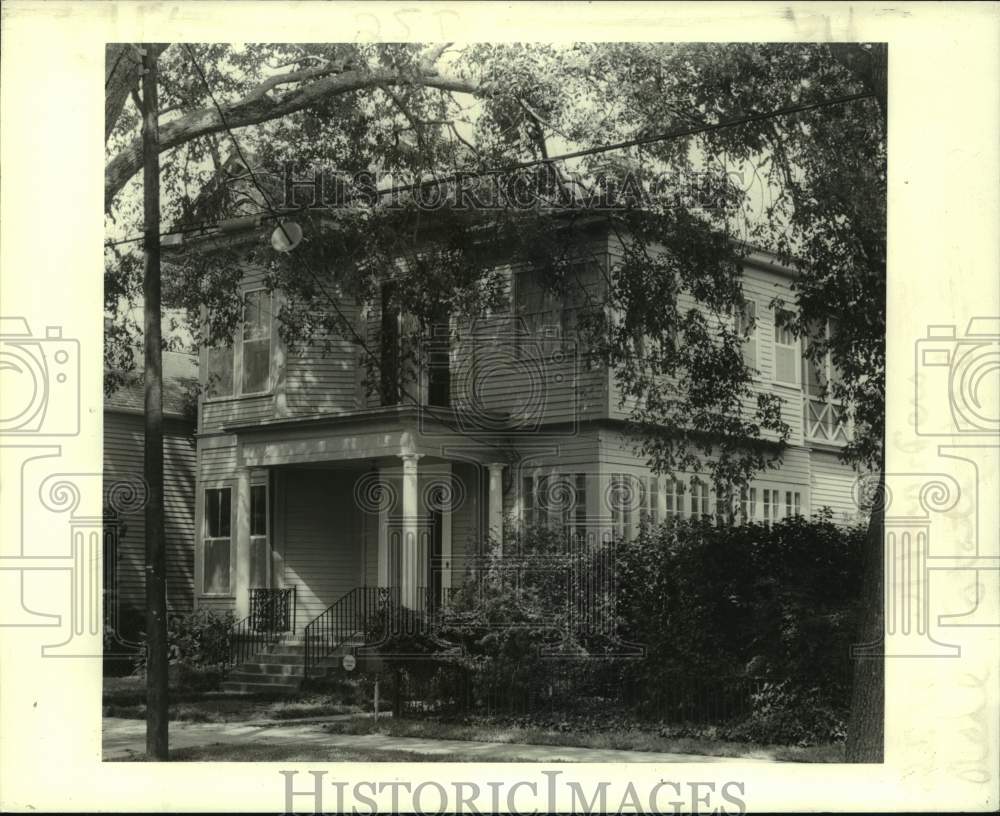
pixel 156 578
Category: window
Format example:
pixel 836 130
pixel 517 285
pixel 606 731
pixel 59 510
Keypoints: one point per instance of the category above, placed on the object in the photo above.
pixel 725 510
pixel 252 356
pixel 793 504
pixel 581 505
pixel 745 322
pixel 257 342
pixel 699 499
pixel 548 314
pixel 653 513
pixel 259 552
pixel 217 540
pixel 558 500
pixel 748 504
pixel 674 495
pixel 528 501
pixel 786 349
pixel 219 368
pixel 772 507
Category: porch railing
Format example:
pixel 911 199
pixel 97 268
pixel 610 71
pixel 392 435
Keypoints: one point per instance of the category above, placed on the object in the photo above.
pixel 825 421
pixel 350 618
pixel 272 616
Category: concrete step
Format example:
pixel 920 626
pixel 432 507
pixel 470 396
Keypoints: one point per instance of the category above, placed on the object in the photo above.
pixel 271 669
pixel 241 676
pixel 242 687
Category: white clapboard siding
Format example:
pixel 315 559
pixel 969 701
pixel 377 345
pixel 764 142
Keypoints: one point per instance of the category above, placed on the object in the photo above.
pixel 833 486
pixel 324 548
pixel 123 460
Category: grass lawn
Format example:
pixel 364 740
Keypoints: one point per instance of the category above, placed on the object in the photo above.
pixel 125 697
pixel 631 739
pixel 219 752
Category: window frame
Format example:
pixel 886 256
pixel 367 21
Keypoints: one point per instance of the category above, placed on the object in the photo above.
pixel 230 591
pixel 270 343
pixel 753 337
pixel 236 351
pixel 264 538
pixel 795 347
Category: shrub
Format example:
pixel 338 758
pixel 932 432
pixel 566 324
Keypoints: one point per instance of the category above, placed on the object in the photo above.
pixel 785 714
pixel 198 646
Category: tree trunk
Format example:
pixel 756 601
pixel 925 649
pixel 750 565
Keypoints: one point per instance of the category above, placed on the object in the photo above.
pixel 121 76
pixel 156 584
pixel 866 729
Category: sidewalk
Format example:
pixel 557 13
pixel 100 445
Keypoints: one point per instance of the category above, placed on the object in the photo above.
pixel 126 738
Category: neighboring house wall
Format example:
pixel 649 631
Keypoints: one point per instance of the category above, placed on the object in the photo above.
pixel 123 462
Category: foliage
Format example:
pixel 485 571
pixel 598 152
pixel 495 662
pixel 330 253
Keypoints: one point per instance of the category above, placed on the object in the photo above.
pixel 415 113
pixel 197 644
pixel 759 645
pixel 776 601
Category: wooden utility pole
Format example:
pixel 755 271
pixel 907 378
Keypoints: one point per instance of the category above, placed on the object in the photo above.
pixel 156 574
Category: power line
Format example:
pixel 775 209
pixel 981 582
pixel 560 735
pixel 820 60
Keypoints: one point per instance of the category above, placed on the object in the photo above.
pixel 675 133
pixel 345 321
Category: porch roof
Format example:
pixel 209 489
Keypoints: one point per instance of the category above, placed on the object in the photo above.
pixel 369 434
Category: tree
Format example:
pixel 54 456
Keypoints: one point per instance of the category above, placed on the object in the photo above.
pixel 410 113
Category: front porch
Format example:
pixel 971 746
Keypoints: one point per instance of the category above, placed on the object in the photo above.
pixel 328 517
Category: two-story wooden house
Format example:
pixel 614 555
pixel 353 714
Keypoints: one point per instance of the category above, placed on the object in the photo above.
pixel 306 482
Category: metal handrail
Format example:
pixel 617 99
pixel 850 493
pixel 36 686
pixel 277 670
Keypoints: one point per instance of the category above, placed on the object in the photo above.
pixel 272 616
pixel 352 615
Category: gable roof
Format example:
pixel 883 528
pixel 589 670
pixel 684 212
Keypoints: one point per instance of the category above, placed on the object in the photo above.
pixel 180 378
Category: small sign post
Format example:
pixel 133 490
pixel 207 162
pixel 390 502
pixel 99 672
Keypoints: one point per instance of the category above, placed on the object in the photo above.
pixel 349 662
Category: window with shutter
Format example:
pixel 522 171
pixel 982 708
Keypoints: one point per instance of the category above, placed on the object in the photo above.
pixel 786 350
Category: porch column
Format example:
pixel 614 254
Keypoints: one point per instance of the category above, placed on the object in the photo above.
pixel 242 549
pixel 409 548
pixel 495 503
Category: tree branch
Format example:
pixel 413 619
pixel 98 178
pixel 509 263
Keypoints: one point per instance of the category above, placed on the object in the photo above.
pixel 258 107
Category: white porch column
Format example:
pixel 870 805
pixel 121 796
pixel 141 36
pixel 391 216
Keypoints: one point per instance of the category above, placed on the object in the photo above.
pixel 242 548
pixel 409 548
pixel 495 503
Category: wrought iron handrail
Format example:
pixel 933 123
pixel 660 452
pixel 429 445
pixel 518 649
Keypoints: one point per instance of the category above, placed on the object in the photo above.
pixel 351 616
pixel 272 616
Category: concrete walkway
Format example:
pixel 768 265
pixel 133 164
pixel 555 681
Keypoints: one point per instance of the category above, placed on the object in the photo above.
pixel 127 738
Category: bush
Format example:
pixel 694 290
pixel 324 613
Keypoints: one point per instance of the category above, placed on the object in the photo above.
pixel 785 714
pixel 197 648
pixel 778 602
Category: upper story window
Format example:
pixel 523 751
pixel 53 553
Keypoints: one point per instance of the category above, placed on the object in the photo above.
pixel 257 342
pixel 244 367
pixel 818 375
pixel 548 314
pixel 786 349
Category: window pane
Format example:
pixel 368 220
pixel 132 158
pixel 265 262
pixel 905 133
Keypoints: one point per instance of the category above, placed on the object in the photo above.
pixel 256 366
pixel 217 565
pixel 258 561
pixel 258 510
pixel 217 513
pixel 219 375
pixel 256 316
pixel 784 364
